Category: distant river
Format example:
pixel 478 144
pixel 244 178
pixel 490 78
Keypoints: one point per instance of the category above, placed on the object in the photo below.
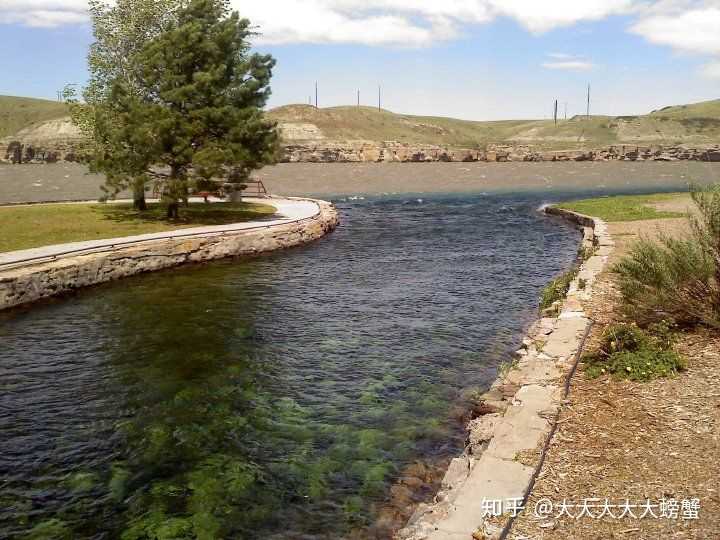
pixel 68 181
pixel 277 397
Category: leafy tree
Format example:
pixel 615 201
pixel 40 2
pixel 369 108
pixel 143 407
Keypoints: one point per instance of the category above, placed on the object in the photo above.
pixel 121 31
pixel 200 115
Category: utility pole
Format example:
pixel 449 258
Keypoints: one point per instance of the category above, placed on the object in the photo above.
pixel 588 104
pixel 379 98
pixel 566 110
pixel 316 94
pixel 358 99
pixel 555 112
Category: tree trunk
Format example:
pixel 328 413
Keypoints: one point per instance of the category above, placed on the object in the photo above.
pixel 139 202
pixel 172 210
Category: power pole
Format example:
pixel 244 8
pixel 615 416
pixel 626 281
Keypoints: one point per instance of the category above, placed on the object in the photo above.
pixel 588 103
pixel 379 98
pixel 316 94
pixel 566 110
pixel 555 112
pixel 358 99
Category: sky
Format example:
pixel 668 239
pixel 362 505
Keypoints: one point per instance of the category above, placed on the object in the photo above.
pixel 472 59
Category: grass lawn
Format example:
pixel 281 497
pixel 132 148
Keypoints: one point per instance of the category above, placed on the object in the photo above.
pixel 627 207
pixel 23 227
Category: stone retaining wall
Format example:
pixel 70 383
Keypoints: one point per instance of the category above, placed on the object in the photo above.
pixel 517 414
pixel 32 281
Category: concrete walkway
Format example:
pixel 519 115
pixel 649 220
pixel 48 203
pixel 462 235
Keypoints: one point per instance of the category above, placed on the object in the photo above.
pixel 288 211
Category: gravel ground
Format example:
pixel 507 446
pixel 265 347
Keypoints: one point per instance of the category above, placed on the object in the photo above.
pixel 621 440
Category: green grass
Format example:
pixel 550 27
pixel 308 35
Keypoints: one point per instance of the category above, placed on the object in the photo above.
pixel 625 207
pixel 629 352
pixel 25 227
pixel 17 113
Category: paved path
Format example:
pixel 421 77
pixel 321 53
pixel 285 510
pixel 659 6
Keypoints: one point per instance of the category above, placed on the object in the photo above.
pixel 289 210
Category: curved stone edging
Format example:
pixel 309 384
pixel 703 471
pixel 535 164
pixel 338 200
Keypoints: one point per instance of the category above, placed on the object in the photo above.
pixel 39 278
pixel 519 412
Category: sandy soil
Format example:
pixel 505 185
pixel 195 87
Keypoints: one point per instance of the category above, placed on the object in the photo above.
pixel 638 441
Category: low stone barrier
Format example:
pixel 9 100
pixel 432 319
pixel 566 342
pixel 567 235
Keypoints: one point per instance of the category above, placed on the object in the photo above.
pixel 518 415
pixel 33 280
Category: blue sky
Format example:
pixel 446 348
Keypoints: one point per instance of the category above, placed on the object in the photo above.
pixel 474 59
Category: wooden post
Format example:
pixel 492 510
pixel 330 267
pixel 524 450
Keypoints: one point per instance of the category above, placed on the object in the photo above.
pixel 588 104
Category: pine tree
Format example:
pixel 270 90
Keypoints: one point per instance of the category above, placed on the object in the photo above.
pixel 201 92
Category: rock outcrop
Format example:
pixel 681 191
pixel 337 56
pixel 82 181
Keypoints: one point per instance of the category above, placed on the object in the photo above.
pixel 60 140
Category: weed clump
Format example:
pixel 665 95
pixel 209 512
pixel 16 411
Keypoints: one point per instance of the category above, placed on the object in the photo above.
pixel 677 278
pixel 557 289
pixel 629 352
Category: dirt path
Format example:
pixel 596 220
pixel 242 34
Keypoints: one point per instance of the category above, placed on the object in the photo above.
pixel 640 442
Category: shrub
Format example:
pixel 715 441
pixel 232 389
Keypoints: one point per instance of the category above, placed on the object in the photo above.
pixel 628 352
pixel 677 278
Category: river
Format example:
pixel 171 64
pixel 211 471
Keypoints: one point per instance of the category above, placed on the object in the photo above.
pixel 276 397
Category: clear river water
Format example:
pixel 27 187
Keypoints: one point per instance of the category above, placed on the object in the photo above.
pixel 274 397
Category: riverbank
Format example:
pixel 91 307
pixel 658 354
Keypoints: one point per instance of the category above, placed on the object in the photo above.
pixel 590 439
pixel 28 275
pixel 513 420
pixel 628 441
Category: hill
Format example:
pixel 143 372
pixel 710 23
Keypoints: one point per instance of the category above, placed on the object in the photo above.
pixel 684 124
pixel 17 113
pixel 44 122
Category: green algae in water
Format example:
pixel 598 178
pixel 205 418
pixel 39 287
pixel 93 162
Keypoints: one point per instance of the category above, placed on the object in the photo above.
pixel 270 397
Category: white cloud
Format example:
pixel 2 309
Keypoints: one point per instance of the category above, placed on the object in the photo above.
pixel 371 22
pixel 43 13
pixel 322 21
pixel 711 70
pixel 569 65
pixel 685 25
pixel 694 31
pixel 410 22
pixel 538 16
pixel 567 62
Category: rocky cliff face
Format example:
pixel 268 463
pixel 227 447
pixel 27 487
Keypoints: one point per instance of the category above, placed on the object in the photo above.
pixel 59 140
pixel 48 142
pixel 391 151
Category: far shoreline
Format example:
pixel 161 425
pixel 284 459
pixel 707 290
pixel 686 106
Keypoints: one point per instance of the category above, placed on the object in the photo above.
pixel 57 182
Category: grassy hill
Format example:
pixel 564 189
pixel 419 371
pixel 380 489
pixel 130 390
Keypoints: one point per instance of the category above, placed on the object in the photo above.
pixel 17 113
pixel 695 124
pixel 685 124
